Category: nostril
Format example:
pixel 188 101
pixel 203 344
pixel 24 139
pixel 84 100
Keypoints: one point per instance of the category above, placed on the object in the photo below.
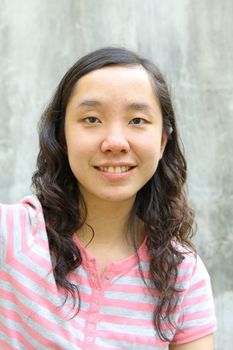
pixel 115 145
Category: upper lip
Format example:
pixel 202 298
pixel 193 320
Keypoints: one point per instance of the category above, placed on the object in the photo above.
pixel 114 165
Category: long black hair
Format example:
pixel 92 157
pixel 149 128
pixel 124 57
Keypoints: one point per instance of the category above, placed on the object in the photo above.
pixel 161 203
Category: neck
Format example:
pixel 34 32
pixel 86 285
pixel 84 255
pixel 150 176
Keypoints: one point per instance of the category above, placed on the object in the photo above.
pixel 108 220
pixel 106 234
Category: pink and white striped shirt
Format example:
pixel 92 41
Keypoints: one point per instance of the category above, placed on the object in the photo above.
pixel 116 308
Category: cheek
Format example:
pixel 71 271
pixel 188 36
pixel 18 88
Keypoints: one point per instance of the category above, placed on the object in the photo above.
pixel 150 155
pixel 150 147
pixel 74 154
pixel 77 145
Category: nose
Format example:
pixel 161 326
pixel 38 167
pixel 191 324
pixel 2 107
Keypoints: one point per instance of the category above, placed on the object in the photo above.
pixel 115 143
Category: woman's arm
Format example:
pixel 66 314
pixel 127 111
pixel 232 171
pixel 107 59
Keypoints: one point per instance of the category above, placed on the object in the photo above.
pixel 205 343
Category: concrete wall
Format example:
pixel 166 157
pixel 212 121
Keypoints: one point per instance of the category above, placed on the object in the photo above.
pixel 190 40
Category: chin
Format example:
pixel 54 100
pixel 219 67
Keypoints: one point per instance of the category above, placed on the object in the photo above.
pixel 117 199
pixel 110 196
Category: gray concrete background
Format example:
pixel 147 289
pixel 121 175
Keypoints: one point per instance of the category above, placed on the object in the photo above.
pixel 190 40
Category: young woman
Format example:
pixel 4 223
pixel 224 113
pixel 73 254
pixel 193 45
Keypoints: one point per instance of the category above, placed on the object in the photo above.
pixel 100 257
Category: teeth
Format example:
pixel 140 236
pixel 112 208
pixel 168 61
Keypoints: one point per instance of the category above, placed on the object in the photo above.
pixel 115 170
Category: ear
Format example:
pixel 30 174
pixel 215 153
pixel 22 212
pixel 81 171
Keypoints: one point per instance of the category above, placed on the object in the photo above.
pixel 164 140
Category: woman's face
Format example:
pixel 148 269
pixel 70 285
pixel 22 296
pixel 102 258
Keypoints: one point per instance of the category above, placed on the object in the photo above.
pixel 113 131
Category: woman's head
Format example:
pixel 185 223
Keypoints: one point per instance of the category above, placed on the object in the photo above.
pixel 53 159
pixel 114 134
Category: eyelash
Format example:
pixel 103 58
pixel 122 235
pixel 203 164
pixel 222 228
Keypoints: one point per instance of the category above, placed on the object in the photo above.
pixel 87 120
pixel 142 121
pixel 91 120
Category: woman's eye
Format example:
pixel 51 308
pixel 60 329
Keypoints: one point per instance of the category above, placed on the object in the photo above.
pixel 138 121
pixel 91 120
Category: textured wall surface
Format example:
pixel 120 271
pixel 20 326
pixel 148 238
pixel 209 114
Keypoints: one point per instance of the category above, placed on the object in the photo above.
pixel 190 40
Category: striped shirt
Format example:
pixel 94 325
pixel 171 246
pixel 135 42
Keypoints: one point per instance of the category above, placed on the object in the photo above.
pixel 116 310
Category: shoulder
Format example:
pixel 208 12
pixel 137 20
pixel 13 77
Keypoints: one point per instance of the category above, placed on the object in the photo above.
pixel 30 201
pixel 192 272
pixel 13 215
pixel 196 314
pixel 19 223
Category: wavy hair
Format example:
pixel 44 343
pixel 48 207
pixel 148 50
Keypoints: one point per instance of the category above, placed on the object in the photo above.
pixel 161 203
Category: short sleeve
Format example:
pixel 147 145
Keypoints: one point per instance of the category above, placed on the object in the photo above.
pixel 18 223
pixel 196 310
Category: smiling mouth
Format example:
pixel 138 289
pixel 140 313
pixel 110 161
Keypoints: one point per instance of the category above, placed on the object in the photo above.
pixel 115 170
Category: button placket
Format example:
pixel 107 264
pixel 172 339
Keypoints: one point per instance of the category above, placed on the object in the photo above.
pixel 107 278
pixel 95 302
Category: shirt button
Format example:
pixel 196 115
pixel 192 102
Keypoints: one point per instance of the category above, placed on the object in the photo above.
pixel 107 277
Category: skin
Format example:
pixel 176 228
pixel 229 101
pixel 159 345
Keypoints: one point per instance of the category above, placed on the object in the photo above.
pixel 113 119
pixel 205 343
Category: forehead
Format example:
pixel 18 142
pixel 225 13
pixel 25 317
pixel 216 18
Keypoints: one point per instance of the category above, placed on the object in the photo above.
pixel 129 81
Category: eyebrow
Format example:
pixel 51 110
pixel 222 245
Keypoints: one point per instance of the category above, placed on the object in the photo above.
pixel 139 106
pixel 89 103
pixel 135 106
